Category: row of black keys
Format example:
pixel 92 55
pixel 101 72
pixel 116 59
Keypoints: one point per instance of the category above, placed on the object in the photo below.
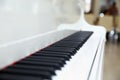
pixel 42 64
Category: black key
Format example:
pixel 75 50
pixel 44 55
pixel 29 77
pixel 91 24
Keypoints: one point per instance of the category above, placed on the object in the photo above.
pixel 33 67
pixel 47 58
pixel 60 49
pixel 67 44
pixel 76 39
pixel 70 41
pixel 61 63
pixel 52 55
pixel 55 65
pixel 56 53
pixel 7 76
pixel 42 74
pixel 82 33
pixel 79 36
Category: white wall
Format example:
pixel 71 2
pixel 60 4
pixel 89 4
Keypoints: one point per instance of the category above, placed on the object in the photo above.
pixel 25 18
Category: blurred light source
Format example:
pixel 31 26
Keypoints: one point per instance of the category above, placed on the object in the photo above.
pixel 101 14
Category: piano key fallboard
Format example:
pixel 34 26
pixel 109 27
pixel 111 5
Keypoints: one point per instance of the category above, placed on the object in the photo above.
pixel 42 64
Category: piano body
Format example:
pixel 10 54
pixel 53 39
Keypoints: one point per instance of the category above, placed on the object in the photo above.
pixel 29 26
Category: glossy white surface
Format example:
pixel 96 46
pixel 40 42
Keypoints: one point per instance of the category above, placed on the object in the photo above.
pixel 25 18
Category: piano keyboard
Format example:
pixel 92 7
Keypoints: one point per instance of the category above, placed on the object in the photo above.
pixel 42 64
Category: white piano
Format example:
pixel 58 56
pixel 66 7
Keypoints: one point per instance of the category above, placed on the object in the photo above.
pixel 30 25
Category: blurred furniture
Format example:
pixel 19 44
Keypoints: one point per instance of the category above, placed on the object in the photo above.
pixel 105 21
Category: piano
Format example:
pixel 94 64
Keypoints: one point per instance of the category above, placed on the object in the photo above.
pixel 34 47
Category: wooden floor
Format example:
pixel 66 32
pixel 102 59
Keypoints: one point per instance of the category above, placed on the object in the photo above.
pixel 112 62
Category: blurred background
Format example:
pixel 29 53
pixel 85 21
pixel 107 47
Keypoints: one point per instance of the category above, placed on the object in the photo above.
pixel 107 14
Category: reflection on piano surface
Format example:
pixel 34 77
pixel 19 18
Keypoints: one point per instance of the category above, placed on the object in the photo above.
pixel 45 52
